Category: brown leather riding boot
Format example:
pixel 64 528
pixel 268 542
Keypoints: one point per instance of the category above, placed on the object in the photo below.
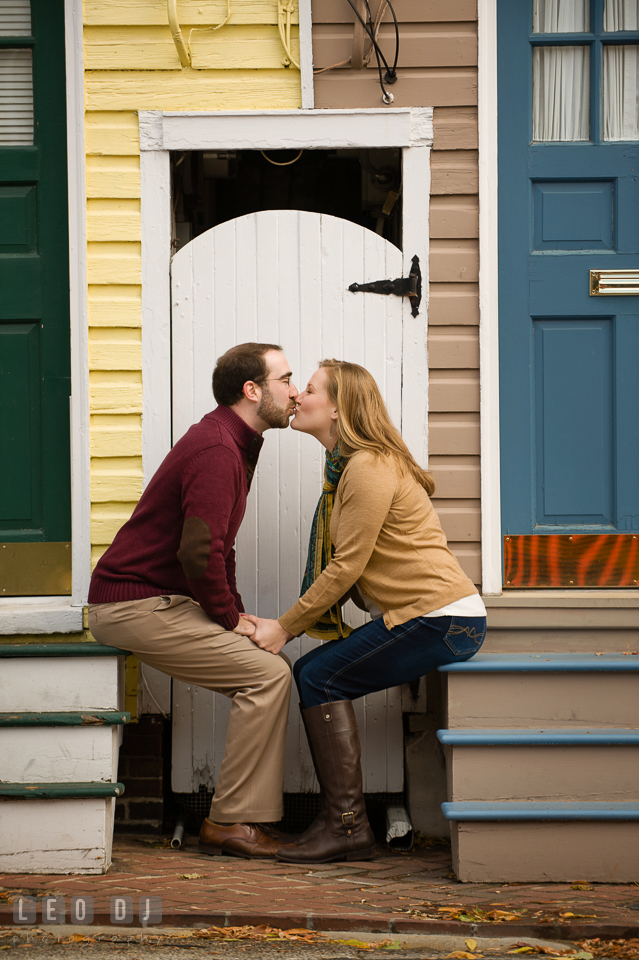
pixel 346 835
pixel 319 822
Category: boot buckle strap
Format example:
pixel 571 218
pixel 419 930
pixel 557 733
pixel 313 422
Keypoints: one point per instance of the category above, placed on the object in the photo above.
pixel 348 819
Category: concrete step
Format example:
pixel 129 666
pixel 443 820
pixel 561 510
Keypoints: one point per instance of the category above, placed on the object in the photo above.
pixel 543 690
pixel 61 680
pixel 539 842
pixel 541 765
pixel 57 747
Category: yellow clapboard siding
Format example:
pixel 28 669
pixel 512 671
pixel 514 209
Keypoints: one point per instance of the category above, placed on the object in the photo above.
pixel 115 356
pixel 193 90
pixel 201 13
pixel 116 479
pixel 119 487
pixel 110 219
pixel 152 48
pixel 115 305
pixel 113 176
pixel 113 436
pixel 106 520
pixel 115 392
pixel 115 334
pixel 114 262
pixel 113 133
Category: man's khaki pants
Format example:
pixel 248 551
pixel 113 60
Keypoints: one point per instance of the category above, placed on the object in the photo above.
pixel 174 634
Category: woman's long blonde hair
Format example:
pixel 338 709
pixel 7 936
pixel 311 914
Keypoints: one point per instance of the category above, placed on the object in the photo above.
pixel 363 420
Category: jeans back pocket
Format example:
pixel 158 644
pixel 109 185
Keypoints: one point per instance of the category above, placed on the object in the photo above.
pixel 465 635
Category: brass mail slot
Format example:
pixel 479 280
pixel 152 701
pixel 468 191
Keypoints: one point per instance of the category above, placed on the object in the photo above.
pixel 619 283
pixel 35 569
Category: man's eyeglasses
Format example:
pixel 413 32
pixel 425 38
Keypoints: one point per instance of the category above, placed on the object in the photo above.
pixel 284 380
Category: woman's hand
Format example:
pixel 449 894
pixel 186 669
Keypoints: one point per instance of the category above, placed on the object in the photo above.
pixel 269 635
pixel 245 628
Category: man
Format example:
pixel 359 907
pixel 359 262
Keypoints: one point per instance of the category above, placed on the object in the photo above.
pixel 165 590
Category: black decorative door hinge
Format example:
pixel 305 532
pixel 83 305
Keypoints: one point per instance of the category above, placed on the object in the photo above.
pixel 410 286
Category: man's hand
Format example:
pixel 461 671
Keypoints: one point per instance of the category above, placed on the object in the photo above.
pixel 269 634
pixel 245 628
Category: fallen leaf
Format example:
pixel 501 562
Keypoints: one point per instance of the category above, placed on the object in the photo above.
pixel 471 944
pixel 355 943
pixel 582 885
pixel 600 654
pixel 462 955
pixel 193 876
pixel 526 948
pixel 631 653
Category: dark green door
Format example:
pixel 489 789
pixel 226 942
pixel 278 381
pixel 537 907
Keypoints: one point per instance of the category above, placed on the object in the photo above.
pixel 35 384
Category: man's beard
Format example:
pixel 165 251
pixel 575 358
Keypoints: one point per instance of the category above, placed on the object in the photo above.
pixel 269 412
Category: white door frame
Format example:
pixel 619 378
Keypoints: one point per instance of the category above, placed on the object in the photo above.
pixel 409 128
pixel 489 301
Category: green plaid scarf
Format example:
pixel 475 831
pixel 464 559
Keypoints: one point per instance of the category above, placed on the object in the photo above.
pixel 330 625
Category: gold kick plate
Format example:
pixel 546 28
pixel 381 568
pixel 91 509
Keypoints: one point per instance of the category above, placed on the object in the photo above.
pixel 35 569
pixel 619 283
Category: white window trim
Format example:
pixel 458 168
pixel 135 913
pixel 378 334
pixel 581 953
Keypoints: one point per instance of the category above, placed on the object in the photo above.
pixel 489 302
pixel 306 54
pixel 160 132
pixel 42 615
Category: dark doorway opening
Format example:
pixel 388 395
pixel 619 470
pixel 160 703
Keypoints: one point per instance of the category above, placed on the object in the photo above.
pixel 363 186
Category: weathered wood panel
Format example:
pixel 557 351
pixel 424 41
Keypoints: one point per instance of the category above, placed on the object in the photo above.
pixel 113 177
pixel 152 48
pixel 435 45
pixel 407 11
pixel 453 347
pixel 455 128
pixel 415 87
pixel 115 354
pixel 453 303
pixel 116 436
pixel 453 433
pixel 112 133
pixel 454 261
pixel 194 90
pixel 454 216
pixel 106 520
pixel 454 171
pixel 117 304
pixel 191 13
pixel 461 519
pixel 454 390
pixel 109 393
pixel 111 219
pixel 455 477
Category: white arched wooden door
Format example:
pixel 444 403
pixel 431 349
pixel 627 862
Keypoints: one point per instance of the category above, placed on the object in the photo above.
pixel 282 277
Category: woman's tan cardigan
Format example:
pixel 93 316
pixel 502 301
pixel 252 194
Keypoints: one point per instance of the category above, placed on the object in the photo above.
pixel 387 539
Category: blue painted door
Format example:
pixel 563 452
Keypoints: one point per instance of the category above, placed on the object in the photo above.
pixel 568 203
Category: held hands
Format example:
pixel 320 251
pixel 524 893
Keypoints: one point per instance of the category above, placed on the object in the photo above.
pixel 269 635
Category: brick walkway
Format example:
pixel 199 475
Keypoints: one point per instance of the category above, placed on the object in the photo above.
pixel 395 893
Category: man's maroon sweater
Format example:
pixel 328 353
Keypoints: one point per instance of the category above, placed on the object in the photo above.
pixel 180 537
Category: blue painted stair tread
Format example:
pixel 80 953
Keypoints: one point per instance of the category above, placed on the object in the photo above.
pixel 545 663
pixel 87 649
pixel 539 737
pixel 479 810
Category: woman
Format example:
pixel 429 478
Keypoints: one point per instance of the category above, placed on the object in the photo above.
pixel 375 537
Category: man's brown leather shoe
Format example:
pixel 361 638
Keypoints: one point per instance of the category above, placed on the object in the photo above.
pixel 237 839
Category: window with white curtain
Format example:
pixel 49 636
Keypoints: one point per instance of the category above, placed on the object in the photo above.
pixel 561 93
pixel 621 15
pixel 561 16
pixel 15 18
pixel 16 97
pixel 621 92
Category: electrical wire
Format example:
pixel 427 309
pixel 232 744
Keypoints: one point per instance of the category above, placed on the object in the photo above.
pixel 286 163
pixel 390 76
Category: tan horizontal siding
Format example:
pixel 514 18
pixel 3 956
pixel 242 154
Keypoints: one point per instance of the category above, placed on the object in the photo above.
pixel 454 216
pixel 438 54
pixel 414 87
pixel 455 128
pixel 434 44
pixel 407 11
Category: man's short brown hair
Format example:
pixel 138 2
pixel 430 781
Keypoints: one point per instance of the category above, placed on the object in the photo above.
pixel 236 366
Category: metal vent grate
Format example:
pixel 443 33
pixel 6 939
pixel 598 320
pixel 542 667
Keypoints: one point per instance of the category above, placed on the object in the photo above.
pixel 15 18
pixel 16 98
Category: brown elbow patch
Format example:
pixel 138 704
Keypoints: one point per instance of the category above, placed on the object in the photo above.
pixel 195 547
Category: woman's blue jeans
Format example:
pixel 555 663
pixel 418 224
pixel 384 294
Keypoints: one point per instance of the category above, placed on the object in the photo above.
pixel 374 658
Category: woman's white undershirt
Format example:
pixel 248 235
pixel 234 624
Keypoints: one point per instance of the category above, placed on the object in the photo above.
pixel 472 606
